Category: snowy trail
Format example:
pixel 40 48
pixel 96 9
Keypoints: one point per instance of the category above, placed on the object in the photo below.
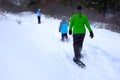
pixel 31 51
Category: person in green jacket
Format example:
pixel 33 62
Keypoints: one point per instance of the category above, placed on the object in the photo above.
pixel 78 24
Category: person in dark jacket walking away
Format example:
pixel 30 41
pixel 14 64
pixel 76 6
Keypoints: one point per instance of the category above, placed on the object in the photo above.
pixel 63 28
pixel 39 16
pixel 78 22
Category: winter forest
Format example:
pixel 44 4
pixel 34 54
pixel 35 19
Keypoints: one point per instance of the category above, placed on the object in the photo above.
pixel 105 11
pixel 32 50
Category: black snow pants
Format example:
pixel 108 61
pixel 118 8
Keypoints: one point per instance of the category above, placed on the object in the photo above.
pixel 39 19
pixel 64 36
pixel 77 44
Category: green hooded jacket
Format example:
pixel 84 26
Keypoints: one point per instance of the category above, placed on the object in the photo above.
pixel 78 24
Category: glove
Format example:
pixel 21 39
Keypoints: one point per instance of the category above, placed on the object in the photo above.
pixel 91 34
pixel 70 32
pixel 59 30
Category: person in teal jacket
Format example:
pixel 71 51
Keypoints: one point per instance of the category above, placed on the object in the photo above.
pixel 63 28
pixel 39 16
pixel 78 24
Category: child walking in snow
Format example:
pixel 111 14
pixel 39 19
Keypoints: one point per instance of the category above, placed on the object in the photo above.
pixel 63 28
pixel 39 16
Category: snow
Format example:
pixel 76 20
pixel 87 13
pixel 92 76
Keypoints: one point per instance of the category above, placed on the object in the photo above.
pixel 31 51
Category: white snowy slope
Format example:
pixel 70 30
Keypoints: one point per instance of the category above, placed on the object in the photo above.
pixel 31 51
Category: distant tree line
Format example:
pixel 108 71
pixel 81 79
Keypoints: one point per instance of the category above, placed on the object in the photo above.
pixel 107 11
pixel 97 5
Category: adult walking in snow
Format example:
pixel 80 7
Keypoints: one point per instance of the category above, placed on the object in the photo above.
pixel 63 28
pixel 39 16
pixel 78 22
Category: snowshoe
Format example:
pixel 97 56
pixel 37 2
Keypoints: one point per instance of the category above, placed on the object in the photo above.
pixel 79 63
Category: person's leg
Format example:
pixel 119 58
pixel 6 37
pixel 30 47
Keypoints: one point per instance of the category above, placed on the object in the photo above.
pixel 38 19
pixel 81 39
pixel 77 44
pixel 62 37
pixel 66 36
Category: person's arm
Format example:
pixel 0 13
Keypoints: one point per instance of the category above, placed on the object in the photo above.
pixel 89 28
pixel 87 24
pixel 60 26
pixel 71 25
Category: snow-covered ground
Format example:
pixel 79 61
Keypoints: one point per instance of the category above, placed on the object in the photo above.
pixel 31 51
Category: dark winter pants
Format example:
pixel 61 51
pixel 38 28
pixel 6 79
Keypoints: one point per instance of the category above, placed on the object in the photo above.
pixel 64 36
pixel 39 19
pixel 77 44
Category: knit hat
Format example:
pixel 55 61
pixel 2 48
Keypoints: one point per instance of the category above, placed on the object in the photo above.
pixel 64 18
pixel 78 8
